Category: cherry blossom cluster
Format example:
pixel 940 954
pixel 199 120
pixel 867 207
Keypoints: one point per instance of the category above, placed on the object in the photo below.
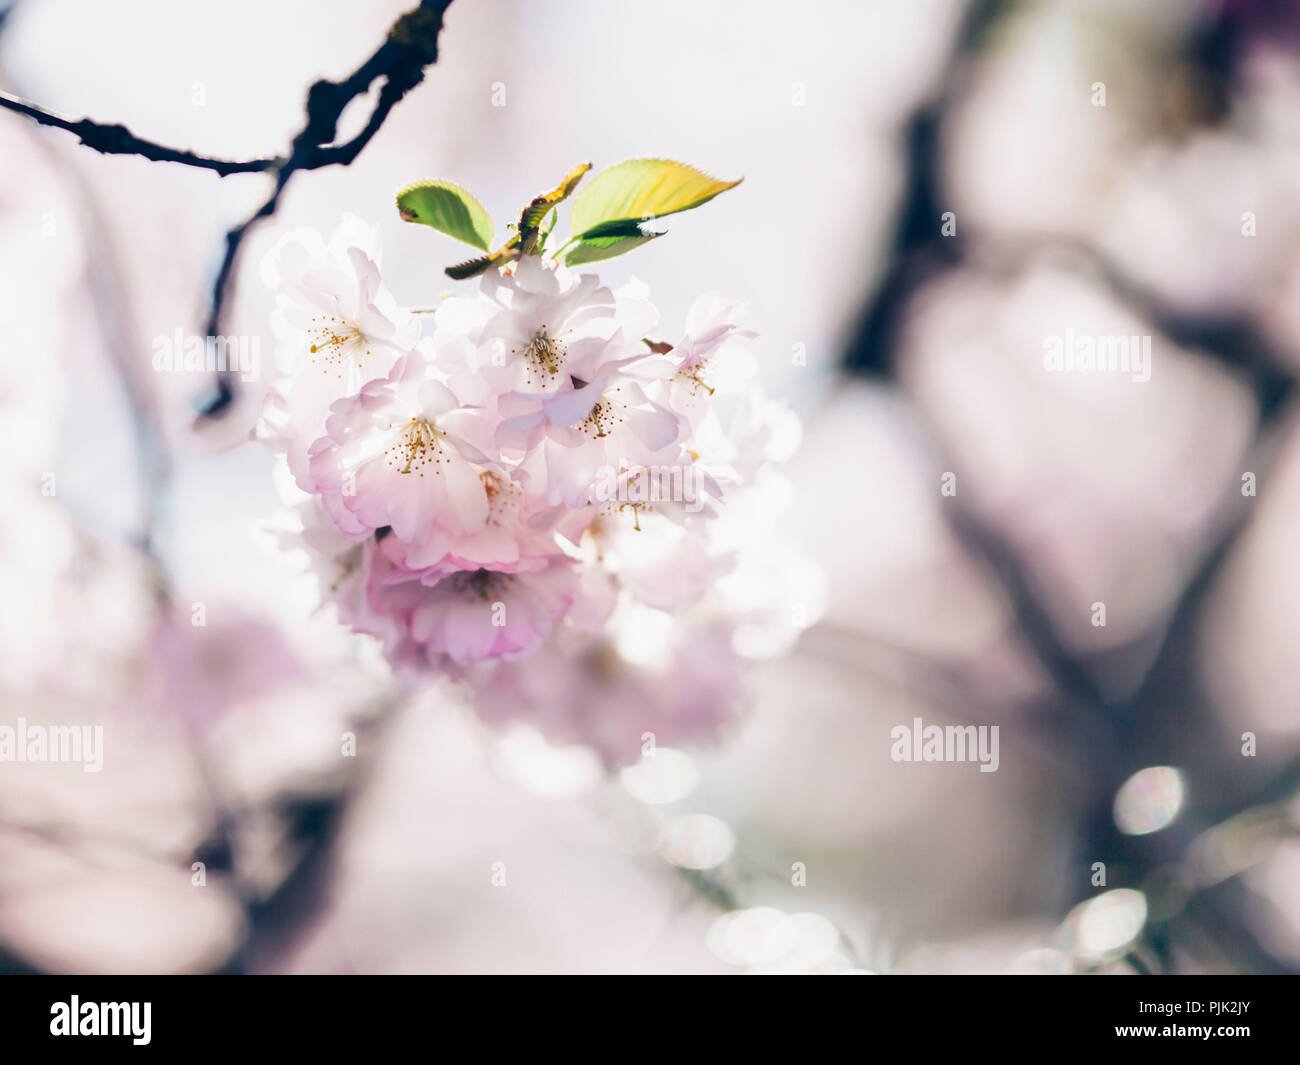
pixel 522 491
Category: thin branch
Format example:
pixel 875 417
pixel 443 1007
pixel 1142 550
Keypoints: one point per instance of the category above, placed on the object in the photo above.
pixel 114 139
pixel 410 46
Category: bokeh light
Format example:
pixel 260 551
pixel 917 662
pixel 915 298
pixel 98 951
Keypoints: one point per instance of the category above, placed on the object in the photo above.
pixel 1104 927
pixel 697 841
pixel 665 776
pixel 1149 800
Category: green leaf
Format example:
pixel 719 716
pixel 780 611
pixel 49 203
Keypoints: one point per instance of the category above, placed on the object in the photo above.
pixel 591 251
pixel 608 240
pixel 447 208
pixel 623 227
pixel 641 189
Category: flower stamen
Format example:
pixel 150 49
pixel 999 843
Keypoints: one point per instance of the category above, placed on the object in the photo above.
pixel 337 345
pixel 419 443
pixel 544 354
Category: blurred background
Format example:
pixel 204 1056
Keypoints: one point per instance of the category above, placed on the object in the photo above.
pixel 931 189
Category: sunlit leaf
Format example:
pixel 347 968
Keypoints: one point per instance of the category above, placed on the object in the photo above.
pixel 447 208
pixel 608 240
pixel 640 189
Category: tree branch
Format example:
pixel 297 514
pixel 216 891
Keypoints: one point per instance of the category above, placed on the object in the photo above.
pixel 113 139
pixel 410 47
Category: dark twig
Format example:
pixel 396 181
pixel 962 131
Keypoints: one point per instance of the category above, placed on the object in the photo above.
pixel 410 47
pixel 113 139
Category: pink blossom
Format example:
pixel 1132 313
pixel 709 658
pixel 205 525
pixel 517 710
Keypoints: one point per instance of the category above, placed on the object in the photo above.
pixel 571 438
pixel 398 454
pixel 532 500
pixel 584 689
pixel 462 616
pixel 335 325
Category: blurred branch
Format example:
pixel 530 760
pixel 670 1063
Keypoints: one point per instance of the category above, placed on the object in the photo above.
pixel 1063 665
pixel 917 248
pixel 920 253
pixel 1223 914
pixel 112 307
pixel 1114 734
pixel 277 922
pixel 710 886
pixel 943 678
